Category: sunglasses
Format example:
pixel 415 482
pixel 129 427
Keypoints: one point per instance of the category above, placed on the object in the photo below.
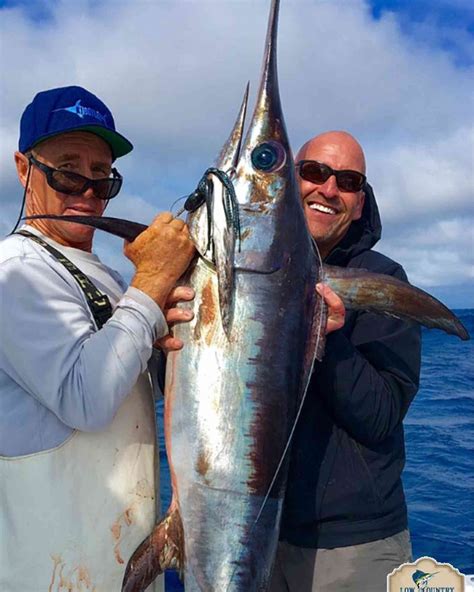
pixel 318 173
pixel 75 184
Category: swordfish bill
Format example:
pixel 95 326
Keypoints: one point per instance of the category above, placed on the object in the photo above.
pixel 116 226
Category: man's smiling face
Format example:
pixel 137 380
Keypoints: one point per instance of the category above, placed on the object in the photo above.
pixel 328 210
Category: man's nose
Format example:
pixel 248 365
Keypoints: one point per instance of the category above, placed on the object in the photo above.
pixel 329 189
pixel 89 193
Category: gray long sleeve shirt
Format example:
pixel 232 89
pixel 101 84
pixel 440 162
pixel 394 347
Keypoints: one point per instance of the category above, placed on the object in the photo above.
pixel 57 372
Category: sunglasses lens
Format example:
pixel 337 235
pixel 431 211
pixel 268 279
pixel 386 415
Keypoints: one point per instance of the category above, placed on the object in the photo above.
pixel 314 172
pixel 350 181
pixel 102 188
pixel 115 184
pixel 66 182
pixel 108 188
pixel 73 184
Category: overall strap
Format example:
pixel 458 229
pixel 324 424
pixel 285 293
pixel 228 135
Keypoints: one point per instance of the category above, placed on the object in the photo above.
pixel 98 303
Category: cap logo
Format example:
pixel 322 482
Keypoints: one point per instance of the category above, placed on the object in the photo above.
pixel 82 112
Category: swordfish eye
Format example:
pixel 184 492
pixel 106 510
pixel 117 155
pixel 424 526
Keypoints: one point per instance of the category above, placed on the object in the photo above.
pixel 268 157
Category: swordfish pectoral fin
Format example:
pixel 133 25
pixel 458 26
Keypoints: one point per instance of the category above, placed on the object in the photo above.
pixel 162 549
pixel 384 294
pixel 122 228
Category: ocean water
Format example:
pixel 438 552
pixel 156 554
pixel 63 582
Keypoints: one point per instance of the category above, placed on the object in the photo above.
pixel 439 471
pixel 439 434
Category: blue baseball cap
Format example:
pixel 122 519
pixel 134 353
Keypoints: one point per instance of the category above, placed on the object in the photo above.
pixel 71 108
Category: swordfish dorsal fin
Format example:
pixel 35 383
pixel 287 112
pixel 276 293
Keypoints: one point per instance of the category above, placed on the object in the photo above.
pixel 375 292
pixel 230 152
pixel 224 235
pixel 211 227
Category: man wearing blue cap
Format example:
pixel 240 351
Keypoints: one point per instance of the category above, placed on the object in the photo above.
pixel 77 441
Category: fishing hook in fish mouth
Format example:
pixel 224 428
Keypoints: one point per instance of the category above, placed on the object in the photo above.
pixel 203 194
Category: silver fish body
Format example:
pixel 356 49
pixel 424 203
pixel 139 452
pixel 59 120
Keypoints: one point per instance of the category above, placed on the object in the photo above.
pixel 230 418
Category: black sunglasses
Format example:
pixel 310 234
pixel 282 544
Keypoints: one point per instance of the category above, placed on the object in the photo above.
pixel 75 184
pixel 318 173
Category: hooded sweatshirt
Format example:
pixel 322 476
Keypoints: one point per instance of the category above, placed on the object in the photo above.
pixel 348 453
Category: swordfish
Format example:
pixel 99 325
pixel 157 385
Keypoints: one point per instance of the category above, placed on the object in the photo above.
pixel 233 394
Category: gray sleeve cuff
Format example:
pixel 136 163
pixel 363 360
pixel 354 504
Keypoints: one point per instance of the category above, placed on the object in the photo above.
pixel 147 308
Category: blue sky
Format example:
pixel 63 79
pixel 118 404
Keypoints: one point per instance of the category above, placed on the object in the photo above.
pixel 453 21
pixel 448 15
pixel 398 75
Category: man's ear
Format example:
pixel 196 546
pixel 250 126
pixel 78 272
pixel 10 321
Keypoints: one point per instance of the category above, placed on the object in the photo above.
pixel 22 165
pixel 360 206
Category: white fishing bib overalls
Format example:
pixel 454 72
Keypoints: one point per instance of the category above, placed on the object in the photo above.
pixel 73 515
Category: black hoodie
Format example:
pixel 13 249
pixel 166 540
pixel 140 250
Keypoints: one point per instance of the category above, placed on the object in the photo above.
pixel 348 452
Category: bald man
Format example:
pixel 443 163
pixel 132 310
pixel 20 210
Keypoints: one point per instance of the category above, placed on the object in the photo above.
pixel 344 525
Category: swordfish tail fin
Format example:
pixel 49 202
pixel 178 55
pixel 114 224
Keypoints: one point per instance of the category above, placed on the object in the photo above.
pixel 117 226
pixel 374 292
pixel 162 549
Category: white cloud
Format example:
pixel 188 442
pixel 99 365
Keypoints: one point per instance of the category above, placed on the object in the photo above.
pixel 174 72
pixel 426 179
pixel 433 253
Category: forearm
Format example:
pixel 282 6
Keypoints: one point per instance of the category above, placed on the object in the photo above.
pixel 108 366
pixel 52 350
